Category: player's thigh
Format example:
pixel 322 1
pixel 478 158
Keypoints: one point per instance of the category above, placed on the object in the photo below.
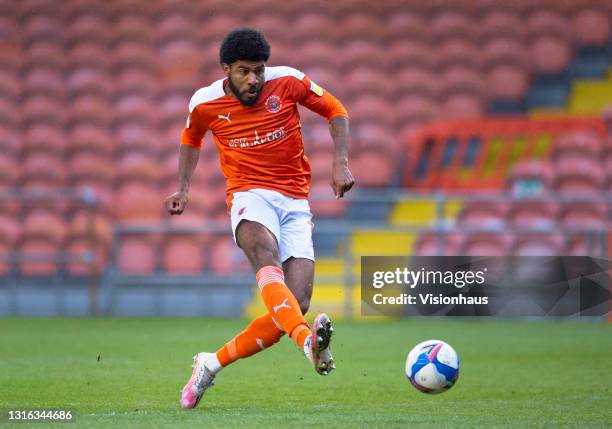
pixel 256 229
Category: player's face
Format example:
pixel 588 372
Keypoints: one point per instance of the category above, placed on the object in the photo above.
pixel 245 79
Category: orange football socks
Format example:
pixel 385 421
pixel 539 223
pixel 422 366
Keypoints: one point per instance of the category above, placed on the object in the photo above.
pixel 260 334
pixel 281 303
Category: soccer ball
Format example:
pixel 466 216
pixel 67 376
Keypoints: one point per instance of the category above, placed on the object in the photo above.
pixel 432 366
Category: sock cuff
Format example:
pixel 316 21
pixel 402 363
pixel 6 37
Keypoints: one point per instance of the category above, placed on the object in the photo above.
pixel 269 274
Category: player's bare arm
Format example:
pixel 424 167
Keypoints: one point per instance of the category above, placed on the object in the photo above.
pixel 342 180
pixel 188 160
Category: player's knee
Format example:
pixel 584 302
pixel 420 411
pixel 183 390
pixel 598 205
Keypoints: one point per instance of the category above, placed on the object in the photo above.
pixel 304 304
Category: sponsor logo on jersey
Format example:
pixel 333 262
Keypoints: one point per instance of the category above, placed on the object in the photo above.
pixel 244 142
pixel 273 104
pixel 316 89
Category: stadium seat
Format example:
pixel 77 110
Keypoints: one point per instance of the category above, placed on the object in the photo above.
pixel 590 243
pixel 134 54
pixel 89 110
pixel 84 81
pixel 406 24
pixel 367 80
pixel 415 109
pixel 89 54
pixel 370 108
pixel 410 53
pixel 90 138
pixel 43 234
pixel 487 244
pixel 42 27
pixel 172 109
pixel 459 53
pixel 452 25
pixel 591 27
pixel 138 202
pixel 216 23
pixel 274 27
pixel 316 52
pixel 461 106
pixel 185 253
pixel 314 25
pixel 42 168
pixel 536 213
pixel 356 24
pixel 138 254
pixel 579 175
pixel 501 23
pixel 484 214
pixel 134 109
pixel 584 214
pixel 431 243
pixel 507 82
pixel 89 26
pixel 134 81
pixel 9 115
pixel 137 167
pixel 44 54
pixel 538 244
pixel 373 167
pixel 131 29
pixel 10 85
pixel 87 234
pixel 43 81
pixel 41 109
pixel 44 138
pixel 226 258
pixel 9 171
pixel 550 55
pixel 411 80
pixel 10 231
pixel 322 201
pixel 577 144
pixel 546 21
pixel 530 176
pixel 175 25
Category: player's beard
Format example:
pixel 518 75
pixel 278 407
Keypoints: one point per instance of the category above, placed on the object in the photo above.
pixel 238 94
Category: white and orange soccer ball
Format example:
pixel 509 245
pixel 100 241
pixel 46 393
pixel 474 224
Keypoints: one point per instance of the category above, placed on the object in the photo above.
pixel 432 366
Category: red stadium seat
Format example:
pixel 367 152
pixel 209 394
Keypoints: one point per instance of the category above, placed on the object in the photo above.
pixel 373 167
pixel 583 144
pixel 89 26
pixel 531 173
pixel 140 167
pixel 44 138
pixel 484 214
pixel 314 25
pixel 501 23
pixel 459 52
pixel 453 25
pixel 584 214
pixel 9 115
pixel 411 53
pixel 89 110
pixel 44 54
pixel 185 253
pixel 89 54
pixel 90 138
pixel 9 171
pixel 538 244
pixel 83 81
pixel 42 168
pixel 550 54
pixel 135 54
pixel 42 27
pixel 411 80
pixel 322 201
pixel 316 52
pixel 138 202
pixel 275 28
pixel 460 79
pixel 547 22
pixel 371 108
pixel 579 176
pixel 507 82
pixel 134 109
pixel 43 109
pixel 357 24
pixel 218 24
pixel 461 106
pixel 172 109
pixel 533 213
pixel 367 80
pixel 175 26
pixel 591 27
pixel 487 244
pixel 227 258
pixel 43 81
pixel 506 51
pixel 415 108
pixel 406 24
pixel 10 85
pixel 136 137
pixel 42 236
pixel 431 243
pixel 138 254
pixel 132 29
pixel 134 81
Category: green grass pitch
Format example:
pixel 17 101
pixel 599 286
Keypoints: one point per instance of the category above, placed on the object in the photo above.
pixel 513 374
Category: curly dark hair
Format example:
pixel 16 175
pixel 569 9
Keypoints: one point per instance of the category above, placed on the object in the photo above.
pixel 244 44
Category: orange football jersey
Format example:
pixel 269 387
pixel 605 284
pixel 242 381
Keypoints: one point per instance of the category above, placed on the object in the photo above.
pixel 261 146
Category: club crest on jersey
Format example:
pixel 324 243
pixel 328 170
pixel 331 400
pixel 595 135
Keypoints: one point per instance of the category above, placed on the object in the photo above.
pixel 273 104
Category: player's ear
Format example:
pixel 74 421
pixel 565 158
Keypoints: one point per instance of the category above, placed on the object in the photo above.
pixel 226 68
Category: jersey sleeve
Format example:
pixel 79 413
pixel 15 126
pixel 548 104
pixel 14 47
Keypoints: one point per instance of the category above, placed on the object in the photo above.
pixel 315 98
pixel 194 130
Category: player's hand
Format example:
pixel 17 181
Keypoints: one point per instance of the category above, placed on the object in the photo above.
pixel 176 203
pixel 342 180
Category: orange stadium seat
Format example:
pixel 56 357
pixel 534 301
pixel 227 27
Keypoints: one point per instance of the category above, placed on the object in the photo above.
pixel 44 54
pixel 501 23
pixel 90 138
pixel 132 29
pixel 314 53
pixel 531 171
pixel 275 28
pixel 538 244
pixel 88 233
pixel 322 201
pixel 550 54
pixel 172 109
pixel 374 167
pixel 138 254
pixel 507 82
pixel 459 52
pixel 89 26
pixel 42 170
pixel 368 80
pixel 415 109
pixel 10 140
pixel 89 109
pixel 406 24
pixel 431 243
pixel 356 24
pixel 85 81
pixel 411 53
pixel 411 80
pixel 139 167
pixel 9 171
pixel 90 54
pixel 226 258
pixel 175 26
pixel 9 115
pixel 216 24
pixel 44 138
pixel 485 214
pixel 370 108
pixel 591 27
pixel 38 108
pixel 185 253
pixel 461 106
pixel 43 234
pixel 314 25
pixel 487 244
pixel 134 54
pixel 135 137
pixel 44 81
pixel 533 213
pixel 10 85
pixel 134 109
pixel 581 144
pixel 462 79
pixel 134 80
pixel 362 52
pixel 584 214
pixel 42 26
pixel 580 175
pixel 504 50
pixel 453 25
